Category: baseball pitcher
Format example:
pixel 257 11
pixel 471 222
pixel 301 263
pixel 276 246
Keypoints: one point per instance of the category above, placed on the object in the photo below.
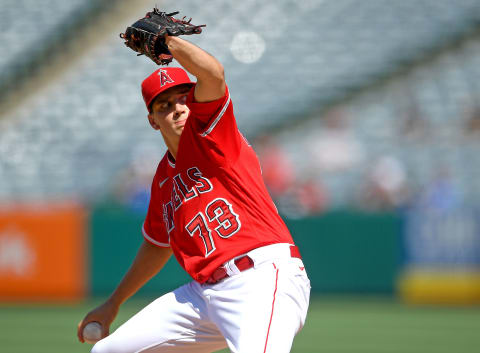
pixel 209 208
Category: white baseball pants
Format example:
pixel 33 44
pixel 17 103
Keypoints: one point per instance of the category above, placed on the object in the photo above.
pixel 258 310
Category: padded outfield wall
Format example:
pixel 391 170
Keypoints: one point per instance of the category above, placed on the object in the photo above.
pixel 66 252
pixel 344 252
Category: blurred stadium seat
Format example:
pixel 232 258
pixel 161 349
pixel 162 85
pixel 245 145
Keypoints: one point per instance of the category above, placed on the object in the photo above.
pixel 72 137
pixel 26 24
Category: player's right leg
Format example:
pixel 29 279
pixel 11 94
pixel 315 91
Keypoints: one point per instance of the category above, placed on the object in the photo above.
pixel 174 322
pixel 260 310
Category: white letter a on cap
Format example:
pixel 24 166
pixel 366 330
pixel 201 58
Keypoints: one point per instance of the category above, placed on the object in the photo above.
pixel 164 78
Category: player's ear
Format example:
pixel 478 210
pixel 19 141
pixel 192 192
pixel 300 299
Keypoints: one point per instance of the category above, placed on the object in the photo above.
pixel 152 122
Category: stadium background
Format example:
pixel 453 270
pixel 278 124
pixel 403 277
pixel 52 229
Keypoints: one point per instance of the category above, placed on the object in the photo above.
pixel 366 119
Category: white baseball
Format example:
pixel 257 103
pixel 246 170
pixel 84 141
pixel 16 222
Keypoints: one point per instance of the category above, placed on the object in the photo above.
pixel 92 332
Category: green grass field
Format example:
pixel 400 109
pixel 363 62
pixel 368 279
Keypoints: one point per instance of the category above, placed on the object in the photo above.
pixel 334 325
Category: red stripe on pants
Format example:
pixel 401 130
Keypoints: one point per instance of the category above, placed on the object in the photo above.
pixel 273 306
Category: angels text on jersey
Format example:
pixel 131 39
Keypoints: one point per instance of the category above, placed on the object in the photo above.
pixel 217 220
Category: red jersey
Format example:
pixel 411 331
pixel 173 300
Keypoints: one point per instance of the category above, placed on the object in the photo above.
pixel 211 204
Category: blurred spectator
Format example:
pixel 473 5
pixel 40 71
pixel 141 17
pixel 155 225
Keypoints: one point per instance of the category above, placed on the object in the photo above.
pixel 134 183
pixel 472 126
pixel 335 148
pixel 386 187
pixel 293 197
pixel 277 170
pixel 311 197
pixel 441 193
pixel 306 198
pixel 413 125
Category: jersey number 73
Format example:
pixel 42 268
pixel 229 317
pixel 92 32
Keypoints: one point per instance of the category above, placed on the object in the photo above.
pixel 219 219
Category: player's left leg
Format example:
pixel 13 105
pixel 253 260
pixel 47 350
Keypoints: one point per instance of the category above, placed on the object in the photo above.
pixel 261 309
pixel 175 322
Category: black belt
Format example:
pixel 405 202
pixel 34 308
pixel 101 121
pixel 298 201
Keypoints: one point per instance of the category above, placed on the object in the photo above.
pixel 243 263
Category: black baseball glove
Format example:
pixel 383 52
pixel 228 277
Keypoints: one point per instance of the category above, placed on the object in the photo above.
pixel 147 35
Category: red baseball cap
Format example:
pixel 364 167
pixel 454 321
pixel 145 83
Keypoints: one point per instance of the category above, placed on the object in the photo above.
pixel 161 80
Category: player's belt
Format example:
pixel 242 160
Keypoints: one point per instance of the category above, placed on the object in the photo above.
pixel 243 263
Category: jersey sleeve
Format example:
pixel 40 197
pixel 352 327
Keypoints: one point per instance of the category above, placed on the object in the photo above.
pixel 153 228
pixel 215 126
